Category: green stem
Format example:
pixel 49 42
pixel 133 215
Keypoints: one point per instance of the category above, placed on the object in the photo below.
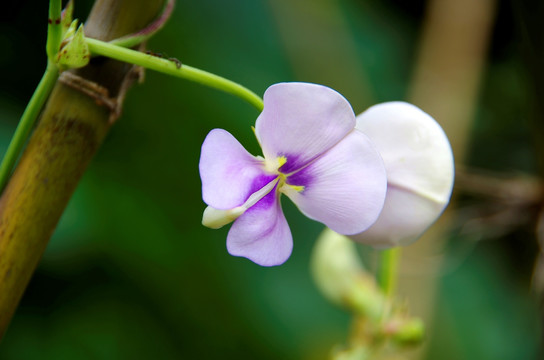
pixel 27 121
pixel 54 29
pixel 170 67
pixel 387 275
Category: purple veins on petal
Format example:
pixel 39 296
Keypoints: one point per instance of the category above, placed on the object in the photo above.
pixel 262 234
pixel 302 177
pixel 292 163
pixel 259 182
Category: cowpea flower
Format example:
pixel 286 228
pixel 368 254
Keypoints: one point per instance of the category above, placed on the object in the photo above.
pixel 312 153
pixel 420 171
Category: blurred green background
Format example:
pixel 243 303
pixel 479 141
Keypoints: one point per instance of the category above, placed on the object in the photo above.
pixel 130 273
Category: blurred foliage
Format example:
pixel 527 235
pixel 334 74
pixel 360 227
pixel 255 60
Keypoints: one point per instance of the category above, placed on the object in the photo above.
pixel 131 274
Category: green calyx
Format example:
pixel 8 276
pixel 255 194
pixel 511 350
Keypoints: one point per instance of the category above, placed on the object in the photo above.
pixel 74 51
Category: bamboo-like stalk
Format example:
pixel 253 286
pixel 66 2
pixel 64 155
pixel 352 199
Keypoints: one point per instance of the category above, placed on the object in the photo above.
pixel 72 126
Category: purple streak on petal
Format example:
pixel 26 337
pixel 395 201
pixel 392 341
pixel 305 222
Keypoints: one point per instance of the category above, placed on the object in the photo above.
pixel 302 177
pixel 301 121
pixel 228 172
pixel 259 182
pixel 345 188
pixel 294 162
pixel 262 234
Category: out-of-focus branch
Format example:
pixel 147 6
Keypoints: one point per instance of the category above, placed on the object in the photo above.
pixel 501 187
pixel 321 48
pixel 447 75
pixel 73 124
pixel 503 202
pixel 449 67
pixel 529 16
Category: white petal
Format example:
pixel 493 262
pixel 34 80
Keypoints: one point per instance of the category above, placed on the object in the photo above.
pixel 405 216
pixel 420 171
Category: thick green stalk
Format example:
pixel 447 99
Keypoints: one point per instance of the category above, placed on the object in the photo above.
pixel 73 124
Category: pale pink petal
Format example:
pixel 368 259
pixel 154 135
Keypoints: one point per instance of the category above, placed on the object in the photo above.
pixel 420 171
pixel 228 172
pixel 300 121
pixel 344 188
pixel 262 234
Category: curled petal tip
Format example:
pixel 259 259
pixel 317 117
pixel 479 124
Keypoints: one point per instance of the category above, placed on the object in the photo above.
pixel 215 218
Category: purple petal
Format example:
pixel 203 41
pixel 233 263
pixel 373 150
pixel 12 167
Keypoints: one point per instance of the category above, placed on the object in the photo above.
pixel 345 188
pixel 262 234
pixel 420 171
pixel 300 121
pixel 228 172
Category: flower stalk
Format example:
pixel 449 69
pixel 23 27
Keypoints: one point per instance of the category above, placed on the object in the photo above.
pixel 174 68
pixel 387 274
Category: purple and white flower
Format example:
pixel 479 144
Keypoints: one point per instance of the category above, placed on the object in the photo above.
pixel 312 153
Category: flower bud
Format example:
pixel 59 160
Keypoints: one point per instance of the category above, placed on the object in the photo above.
pixel 342 278
pixel 407 331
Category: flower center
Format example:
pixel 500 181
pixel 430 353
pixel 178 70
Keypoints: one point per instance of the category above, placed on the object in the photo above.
pixel 274 166
pixel 215 218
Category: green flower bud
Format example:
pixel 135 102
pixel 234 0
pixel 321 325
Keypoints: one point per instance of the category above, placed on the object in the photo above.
pixel 342 278
pixel 405 331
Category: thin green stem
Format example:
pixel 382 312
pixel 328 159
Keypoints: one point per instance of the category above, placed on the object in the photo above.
pixel 54 29
pixel 387 275
pixel 27 121
pixel 174 68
